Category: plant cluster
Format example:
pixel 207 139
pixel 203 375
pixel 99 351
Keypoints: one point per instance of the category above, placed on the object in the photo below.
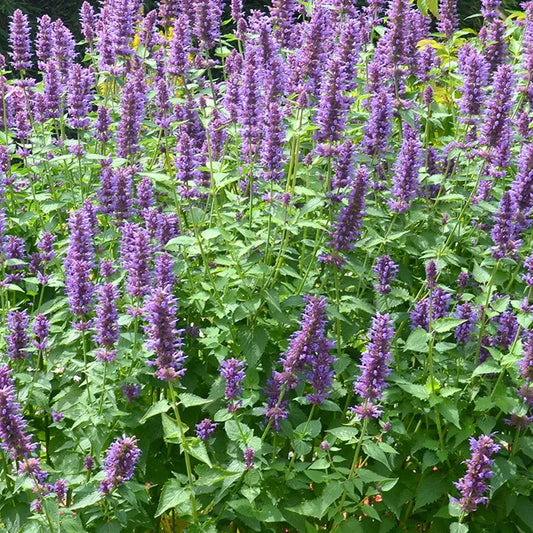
pixel 267 271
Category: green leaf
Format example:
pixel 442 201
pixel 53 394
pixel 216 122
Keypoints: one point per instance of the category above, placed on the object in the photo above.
pixel 190 400
pixel 454 509
pixel 351 525
pixel 422 6
pixel 501 304
pixel 199 451
pixel 162 406
pixel 418 391
pixel 433 7
pixel 253 342
pixel 488 367
pixel 172 496
pixel 320 506
pixel 450 412
pixel 171 429
pixel 344 433
pixel 457 527
pixel 430 490
pixel 524 511
pixel 480 274
pixel 418 341
pixel 503 471
pixel 442 325
pixel 210 233
pixel 312 429
pixel 374 451
pixel 89 500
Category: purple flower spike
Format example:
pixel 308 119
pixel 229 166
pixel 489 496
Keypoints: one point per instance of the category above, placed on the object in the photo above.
pixel 463 332
pixel 87 20
pixel 386 270
pixel 321 373
pixel 106 323
pixel 119 463
pixel 163 337
pixel 88 463
pixel 506 231
pixel 232 370
pixel 448 21
pixel 474 484
pixel 19 41
pixel 131 391
pixel 80 96
pixel 496 125
pixel 179 47
pixel 41 326
pixel 17 334
pixel 43 41
pixel 474 71
pixel 303 342
pixel 489 9
pixel 132 112
pixel 333 105
pixel 136 255
pixel 348 226
pixel 14 439
pixel 375 363
pixel 526 363
pixel 432 272
pixel 405 172
pixel 205 429
pixel 249 456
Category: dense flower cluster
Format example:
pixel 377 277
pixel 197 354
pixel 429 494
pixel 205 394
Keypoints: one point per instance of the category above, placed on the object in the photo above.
pixel 119 463
pixel 473 485
pixel 375 366
pixel 369 158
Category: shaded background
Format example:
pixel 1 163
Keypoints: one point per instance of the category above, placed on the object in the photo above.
pixel 68 11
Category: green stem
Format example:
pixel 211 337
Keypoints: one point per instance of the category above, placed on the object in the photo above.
pixel 309 418
pixel 185 451
pixel 103 390
pixel 351 474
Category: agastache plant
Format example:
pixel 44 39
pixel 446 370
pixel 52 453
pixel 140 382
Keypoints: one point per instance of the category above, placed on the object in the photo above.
pixel 288 248
pixel 374 367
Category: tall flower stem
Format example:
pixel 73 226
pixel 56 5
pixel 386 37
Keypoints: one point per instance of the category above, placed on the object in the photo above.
pixel 103 390
pixel 309 418
pixel 352 471
pixel 185 450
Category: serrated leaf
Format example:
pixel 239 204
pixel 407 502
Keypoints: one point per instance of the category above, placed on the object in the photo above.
pixel 210 233
pixel 199 451
pixel 488 367
pixel 418 341
pixel 319 506
pixel 344 433
pixel 503 471
pixel 418 391
pixel 312 429
pixel 433 7
pixel 162 406
pixel 430 490
pixel 172 496
pixel 190 400
pixel 374 451
pixel 88 500
pixel 442 325
pixel 450 412
pixel 480 274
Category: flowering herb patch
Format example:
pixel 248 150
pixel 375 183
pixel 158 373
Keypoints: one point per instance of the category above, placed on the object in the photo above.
pixel 267 271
